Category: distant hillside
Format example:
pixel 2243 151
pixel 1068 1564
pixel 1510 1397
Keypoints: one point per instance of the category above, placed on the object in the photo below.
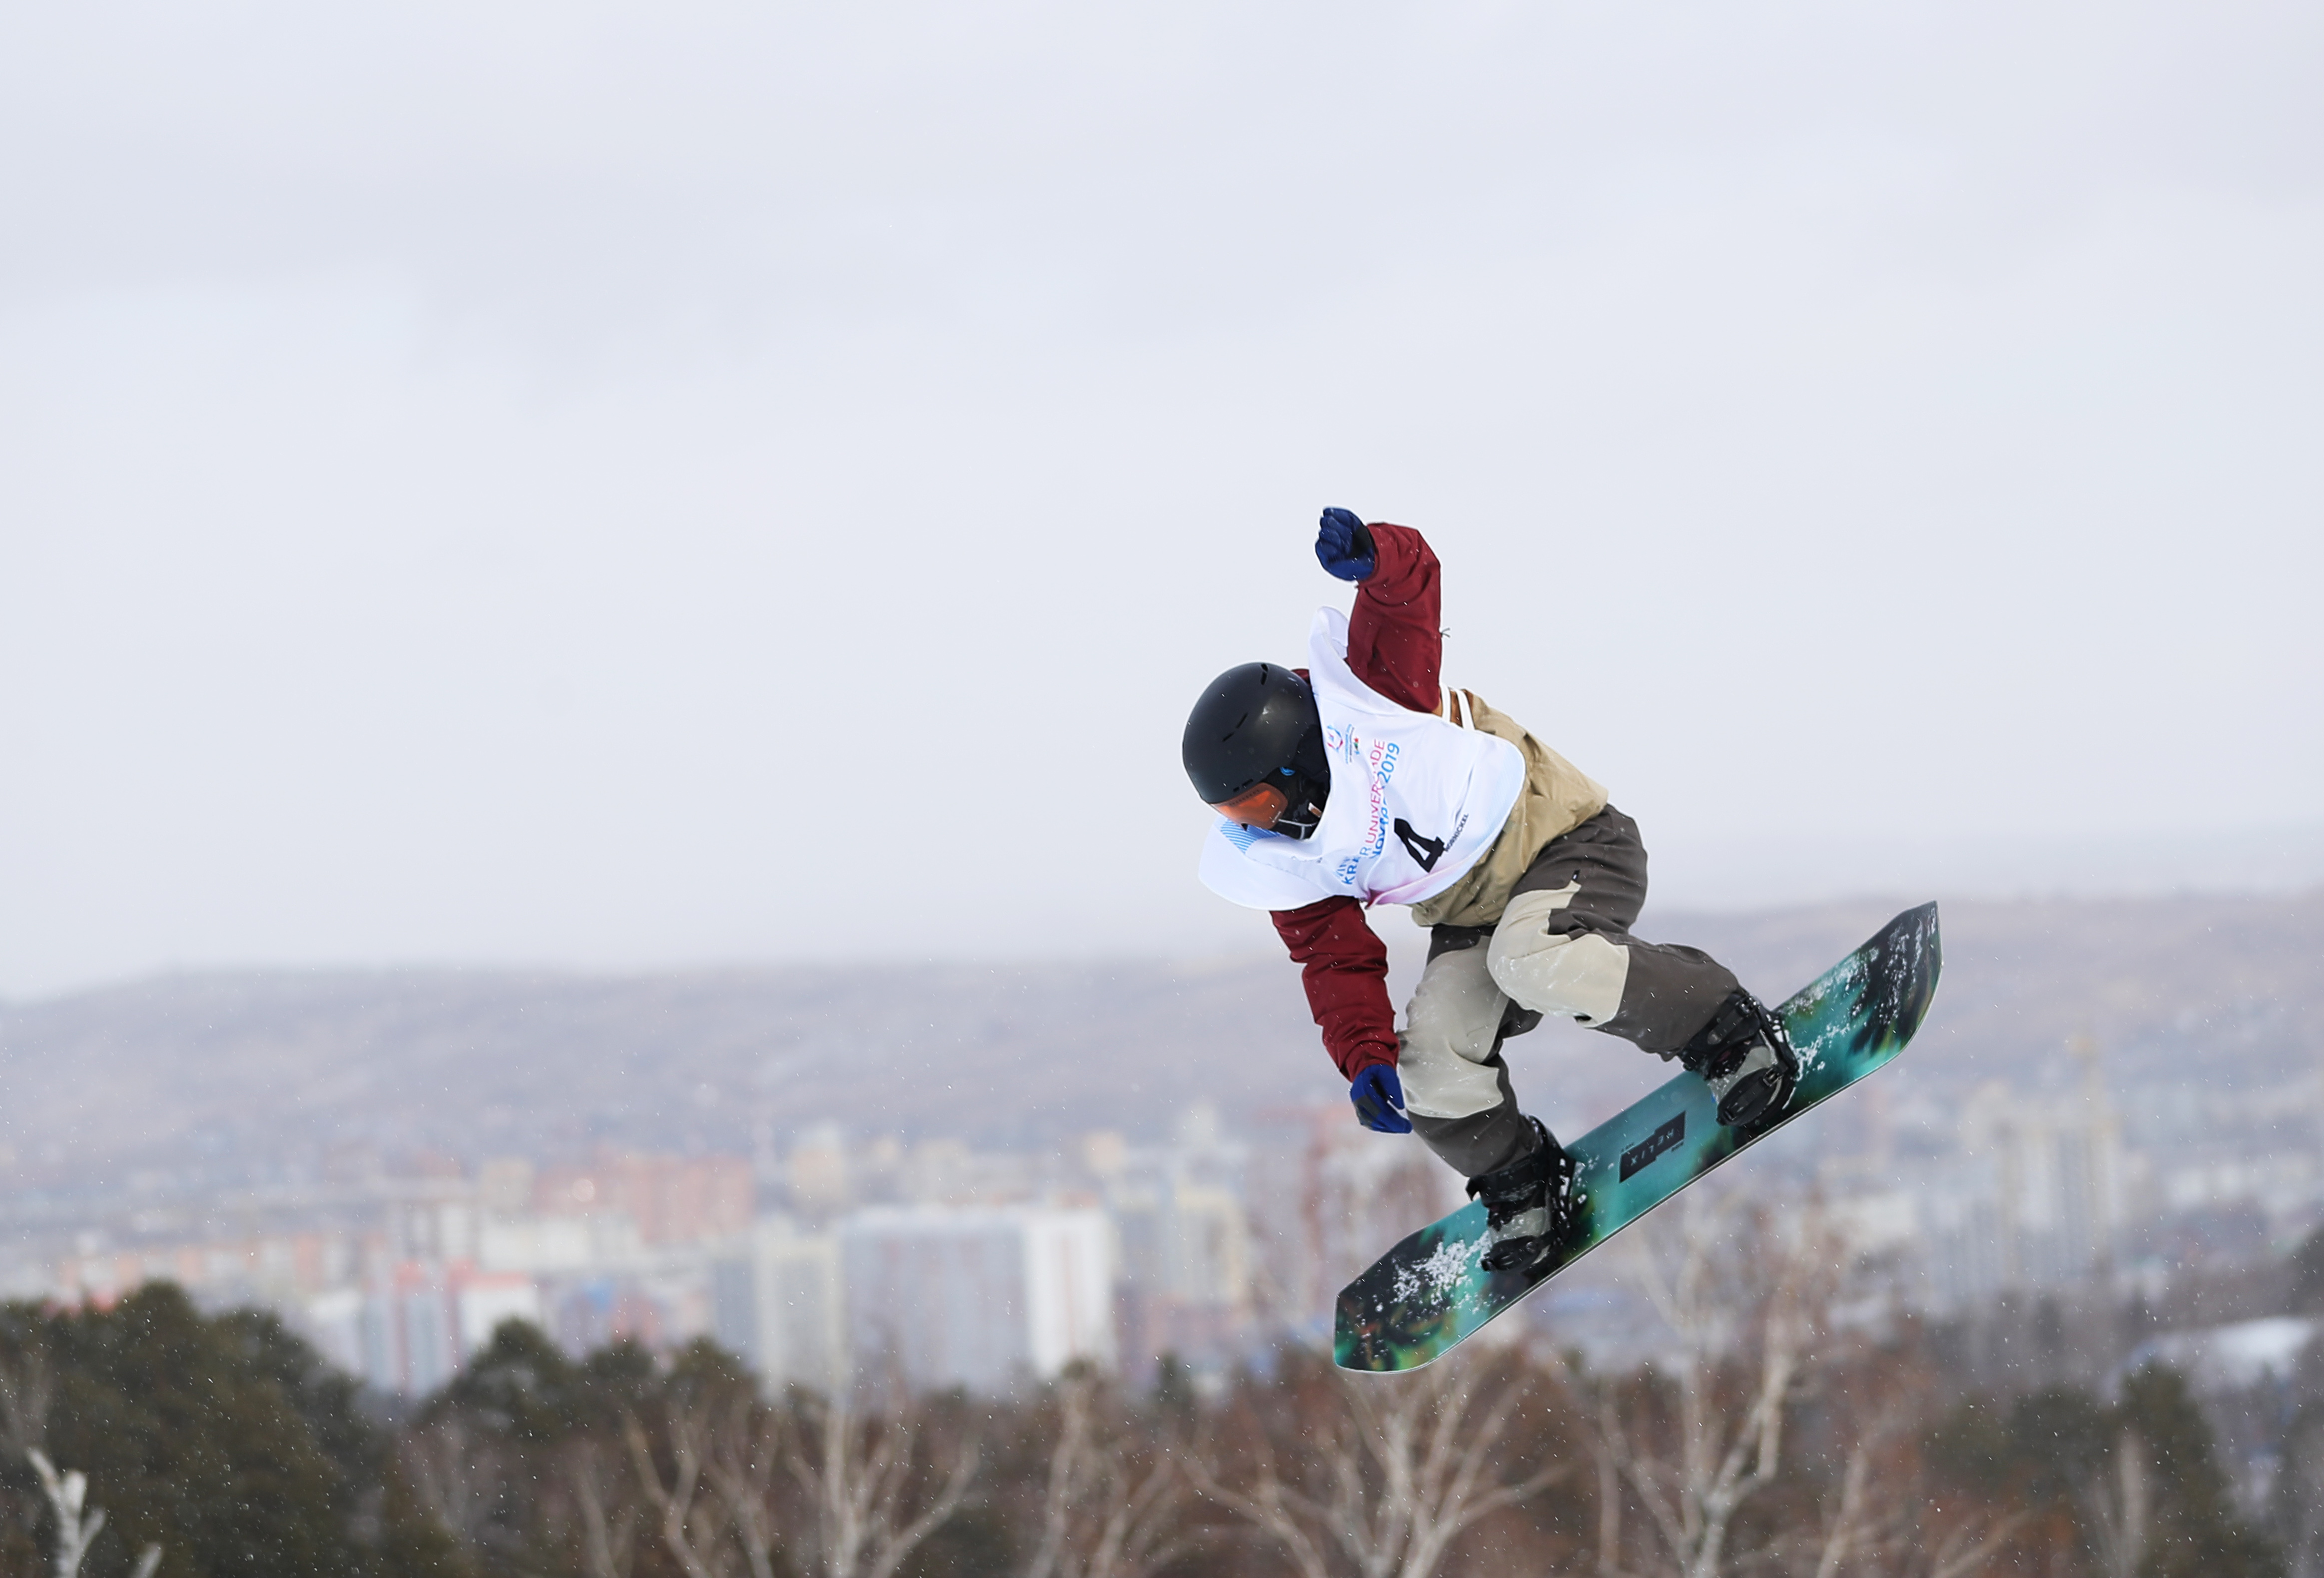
pixel 239 1074
pixel 2180 988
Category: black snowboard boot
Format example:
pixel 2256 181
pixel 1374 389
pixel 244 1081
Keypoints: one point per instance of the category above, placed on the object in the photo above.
pixel 1746 1057
pixel 1529 1204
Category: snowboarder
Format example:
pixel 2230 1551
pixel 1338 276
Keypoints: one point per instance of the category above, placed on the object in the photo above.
pixel 1360 781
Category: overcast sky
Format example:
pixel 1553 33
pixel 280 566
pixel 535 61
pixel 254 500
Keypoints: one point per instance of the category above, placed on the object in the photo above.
pixel 622 484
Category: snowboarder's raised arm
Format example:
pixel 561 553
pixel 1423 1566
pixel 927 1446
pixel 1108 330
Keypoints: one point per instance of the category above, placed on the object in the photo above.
pixel 1343 965
pixel 1395 643
pixel 1393 646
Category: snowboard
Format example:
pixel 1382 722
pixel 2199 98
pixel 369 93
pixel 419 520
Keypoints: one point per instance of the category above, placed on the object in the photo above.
pixel 1425 1296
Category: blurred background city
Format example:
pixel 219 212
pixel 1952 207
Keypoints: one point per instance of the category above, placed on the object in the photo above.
pixel 2111 1133
pixel 398 1163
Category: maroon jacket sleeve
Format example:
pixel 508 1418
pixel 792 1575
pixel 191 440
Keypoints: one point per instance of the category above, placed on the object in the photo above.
pixel 1344 967
pixel 1395 645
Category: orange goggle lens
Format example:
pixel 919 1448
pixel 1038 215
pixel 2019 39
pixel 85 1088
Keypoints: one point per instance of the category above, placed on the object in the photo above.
pixel 1257 807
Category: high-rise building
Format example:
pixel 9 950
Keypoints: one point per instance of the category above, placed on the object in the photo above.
pixel 817 1172
pixel 415 1324
pixel 777 1304
pixel 980 1296
pixel 669 1199
pixel 1184 1242
pixel 2036 1200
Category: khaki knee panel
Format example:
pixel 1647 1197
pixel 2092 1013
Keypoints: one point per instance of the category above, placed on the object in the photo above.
pixel 1450 1029
pixel 1577 974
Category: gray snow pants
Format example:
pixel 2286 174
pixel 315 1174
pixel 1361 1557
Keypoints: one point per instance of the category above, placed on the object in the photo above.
pixel 1563 946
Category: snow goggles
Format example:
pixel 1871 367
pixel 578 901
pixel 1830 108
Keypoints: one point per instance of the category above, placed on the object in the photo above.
pixel 1257 807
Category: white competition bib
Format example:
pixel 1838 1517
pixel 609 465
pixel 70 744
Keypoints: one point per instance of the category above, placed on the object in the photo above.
pixel 1414 800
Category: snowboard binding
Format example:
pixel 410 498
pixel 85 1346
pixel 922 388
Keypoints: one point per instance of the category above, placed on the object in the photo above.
pixel 1530 1204
pixel 1745 1056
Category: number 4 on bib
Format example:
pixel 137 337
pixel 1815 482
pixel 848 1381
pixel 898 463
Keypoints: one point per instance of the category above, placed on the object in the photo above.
pixel 1424 851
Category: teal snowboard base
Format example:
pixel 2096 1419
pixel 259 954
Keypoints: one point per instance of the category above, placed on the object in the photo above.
pixel 1423 1297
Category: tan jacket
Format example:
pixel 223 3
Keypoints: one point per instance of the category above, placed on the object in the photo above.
pixel 1558 796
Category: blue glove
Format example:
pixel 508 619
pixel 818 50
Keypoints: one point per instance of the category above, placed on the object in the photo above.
pixel 1344 546
pixel 1378 1096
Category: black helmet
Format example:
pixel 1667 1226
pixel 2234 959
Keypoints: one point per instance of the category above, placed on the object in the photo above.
pixel 1254 749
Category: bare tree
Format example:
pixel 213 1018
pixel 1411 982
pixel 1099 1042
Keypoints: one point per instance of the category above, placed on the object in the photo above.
pixel 1961 1548
pixel 1108 1509
pixel 67 1495
pixel 1850 1530
pixel 1380 1474
pixel 694 1528
pixel 1691 1446
pixel 865 1483
pixel 2118 1513
pixel 1882 1520
pixel 744 1455
pixel 608 1538
pixel 1747 1302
